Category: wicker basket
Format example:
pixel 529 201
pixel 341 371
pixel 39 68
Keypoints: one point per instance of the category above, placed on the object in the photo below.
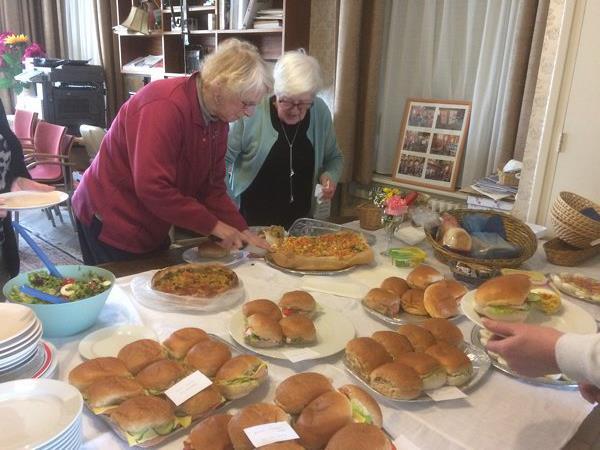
pixel 562 254
pixel 516 233
pixel 369 216
pixel 570 225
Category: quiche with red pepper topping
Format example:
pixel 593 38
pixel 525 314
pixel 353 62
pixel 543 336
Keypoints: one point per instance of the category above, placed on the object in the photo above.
pixel 332 251
pixel 195 280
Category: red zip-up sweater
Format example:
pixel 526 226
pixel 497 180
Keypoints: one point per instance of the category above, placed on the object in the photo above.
pixel 159 164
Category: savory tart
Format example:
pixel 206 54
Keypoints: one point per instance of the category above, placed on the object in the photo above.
pixel 332 251
pixel 196 280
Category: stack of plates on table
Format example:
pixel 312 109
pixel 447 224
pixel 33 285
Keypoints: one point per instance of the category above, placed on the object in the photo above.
pixel 20 334
pixel 41 414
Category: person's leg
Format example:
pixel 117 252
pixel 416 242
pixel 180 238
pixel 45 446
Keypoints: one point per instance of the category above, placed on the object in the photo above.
pixel 93 250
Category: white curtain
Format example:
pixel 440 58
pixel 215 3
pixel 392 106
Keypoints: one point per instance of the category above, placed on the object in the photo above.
pixel 454 50
pixel 80 24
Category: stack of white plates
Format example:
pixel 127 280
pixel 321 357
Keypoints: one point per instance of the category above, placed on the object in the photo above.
pixel 41 414
pixel 20 334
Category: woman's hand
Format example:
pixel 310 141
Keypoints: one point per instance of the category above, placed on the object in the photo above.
pixel 230 236
pixel 528 349
pixel 328 187
pixel 24 184
pixel 253 239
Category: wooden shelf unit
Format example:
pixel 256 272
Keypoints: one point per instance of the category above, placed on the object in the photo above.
pixel 271 42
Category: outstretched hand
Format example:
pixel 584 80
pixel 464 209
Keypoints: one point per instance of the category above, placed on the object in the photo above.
pixel 528 349
pixel 328 187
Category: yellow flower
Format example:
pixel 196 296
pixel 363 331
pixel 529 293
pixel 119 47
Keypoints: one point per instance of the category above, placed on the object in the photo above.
pixel 14 39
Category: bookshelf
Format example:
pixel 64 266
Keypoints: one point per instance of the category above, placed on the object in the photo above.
pixel 204 19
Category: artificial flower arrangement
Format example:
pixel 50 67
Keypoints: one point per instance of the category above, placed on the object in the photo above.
pixel 14 48
pixel 392 201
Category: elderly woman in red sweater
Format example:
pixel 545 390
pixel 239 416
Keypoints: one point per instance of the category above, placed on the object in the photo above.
pixel 162 161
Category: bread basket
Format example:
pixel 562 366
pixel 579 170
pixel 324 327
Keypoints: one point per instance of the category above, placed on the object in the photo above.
pixel 517 233
pixel 560 253
pixel 570 225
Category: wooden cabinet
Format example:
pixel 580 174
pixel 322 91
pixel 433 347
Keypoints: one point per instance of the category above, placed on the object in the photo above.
pixel 204 35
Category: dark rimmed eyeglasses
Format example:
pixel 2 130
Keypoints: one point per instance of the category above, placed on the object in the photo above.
pixel 288 104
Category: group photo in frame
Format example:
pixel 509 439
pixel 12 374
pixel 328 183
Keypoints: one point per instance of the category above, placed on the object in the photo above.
pixel 431 143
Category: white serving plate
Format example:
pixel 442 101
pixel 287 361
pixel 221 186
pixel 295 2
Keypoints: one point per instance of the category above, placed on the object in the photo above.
pixel 333 332
pixel 15 320
pixel 108 341
pixel 35 413
pixel 22 200
pixel 403 317
pixel 570 319
pixel 191 256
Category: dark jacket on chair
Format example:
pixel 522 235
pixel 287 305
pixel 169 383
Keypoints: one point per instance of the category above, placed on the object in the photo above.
pixel 17 168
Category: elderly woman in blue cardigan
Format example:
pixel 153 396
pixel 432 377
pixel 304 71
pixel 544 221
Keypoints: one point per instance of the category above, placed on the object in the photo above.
pixel 276 157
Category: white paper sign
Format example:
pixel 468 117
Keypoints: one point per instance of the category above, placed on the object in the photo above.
pixel 402 443
pixel 300 354
pixel 188 387
pixel 269 433
pixel 446 393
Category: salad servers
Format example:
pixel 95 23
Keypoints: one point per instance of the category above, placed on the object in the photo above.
pixel 38 251
pixel 40 295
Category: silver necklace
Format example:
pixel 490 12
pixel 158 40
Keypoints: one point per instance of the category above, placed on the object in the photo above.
pixel 290 145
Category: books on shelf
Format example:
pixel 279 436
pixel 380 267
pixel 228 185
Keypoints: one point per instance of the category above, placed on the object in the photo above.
pixel 251 11
pixel 267 24
pixel 144 64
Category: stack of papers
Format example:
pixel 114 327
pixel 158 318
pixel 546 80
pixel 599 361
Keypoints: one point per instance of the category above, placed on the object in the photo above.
pixel 490 187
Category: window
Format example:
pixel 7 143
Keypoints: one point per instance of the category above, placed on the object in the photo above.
pixel 81 30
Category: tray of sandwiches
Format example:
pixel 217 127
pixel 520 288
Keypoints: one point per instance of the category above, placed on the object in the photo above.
pixel 424 294
pixel 307 412
pixel 480 337
pixel 130 392
pixel 408 364
pixel 188 287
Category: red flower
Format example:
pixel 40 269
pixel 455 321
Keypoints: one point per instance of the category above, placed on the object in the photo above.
pixel 33 51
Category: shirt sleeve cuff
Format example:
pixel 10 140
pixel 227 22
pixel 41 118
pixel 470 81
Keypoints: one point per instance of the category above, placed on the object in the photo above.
pixel 578 357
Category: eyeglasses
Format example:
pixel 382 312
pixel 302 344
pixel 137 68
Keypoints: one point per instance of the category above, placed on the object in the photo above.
pixel 288 104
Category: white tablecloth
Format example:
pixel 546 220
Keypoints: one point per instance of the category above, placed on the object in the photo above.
pixel 500 412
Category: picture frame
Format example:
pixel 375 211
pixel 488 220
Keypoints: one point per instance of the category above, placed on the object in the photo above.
pixel 431 143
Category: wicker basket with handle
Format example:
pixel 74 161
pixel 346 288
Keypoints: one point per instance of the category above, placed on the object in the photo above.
pixel 369 216
pixel 570 225
pixel 517 233
pixel 562 254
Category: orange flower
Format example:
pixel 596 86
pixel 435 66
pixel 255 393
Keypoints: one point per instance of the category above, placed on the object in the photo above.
pixel 14 39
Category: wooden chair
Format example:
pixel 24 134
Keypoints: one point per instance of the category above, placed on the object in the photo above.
pixel 24 126
pixel 48 162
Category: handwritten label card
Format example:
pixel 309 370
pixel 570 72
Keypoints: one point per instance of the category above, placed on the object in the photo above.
pixel 446 393
pixel 188 387
pixel 300 354
pixel 269 433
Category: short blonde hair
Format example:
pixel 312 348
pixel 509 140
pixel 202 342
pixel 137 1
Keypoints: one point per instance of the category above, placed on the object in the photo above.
pixel 297 73
pixel 238 67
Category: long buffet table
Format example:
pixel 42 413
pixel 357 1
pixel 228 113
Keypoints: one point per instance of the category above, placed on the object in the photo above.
pixel 500 412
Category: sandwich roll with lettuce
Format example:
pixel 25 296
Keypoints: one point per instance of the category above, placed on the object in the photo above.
pixel 160 376
pixel 110 392
pixel 95 369
pixel 295 392
pixel 240 375
pixel 262 331
pixel 298 330
pixel 359 436
pixel 297 302
pixel 504 298
pixel 364 407
pixel 146 419
pixel 210 434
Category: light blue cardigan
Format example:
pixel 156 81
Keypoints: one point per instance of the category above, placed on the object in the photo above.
pixel 251 138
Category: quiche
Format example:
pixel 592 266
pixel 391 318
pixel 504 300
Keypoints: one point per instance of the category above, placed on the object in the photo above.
pixel 331 251
pixel 195 280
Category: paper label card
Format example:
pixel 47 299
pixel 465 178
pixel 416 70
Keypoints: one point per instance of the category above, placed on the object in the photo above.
pixel 269 433
pixel 300 354
pixel 188 387
pixel 446 393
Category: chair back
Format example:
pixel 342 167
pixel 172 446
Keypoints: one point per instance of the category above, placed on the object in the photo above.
pixel 48 139
pixel 24 124
pixel 92 138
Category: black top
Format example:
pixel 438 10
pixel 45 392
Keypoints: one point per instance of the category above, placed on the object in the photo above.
pixel 12 166
pixel 267 199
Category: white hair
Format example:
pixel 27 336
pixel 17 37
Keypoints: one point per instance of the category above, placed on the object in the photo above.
pixel 297 73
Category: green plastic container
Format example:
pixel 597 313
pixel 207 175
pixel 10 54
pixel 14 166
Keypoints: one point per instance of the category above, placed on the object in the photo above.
pixel 407 256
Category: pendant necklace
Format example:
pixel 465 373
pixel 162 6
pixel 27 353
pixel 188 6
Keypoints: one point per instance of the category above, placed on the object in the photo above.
pixel 290 145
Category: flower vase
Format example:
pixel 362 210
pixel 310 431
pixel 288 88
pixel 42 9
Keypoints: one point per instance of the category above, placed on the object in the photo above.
pixel 390 225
